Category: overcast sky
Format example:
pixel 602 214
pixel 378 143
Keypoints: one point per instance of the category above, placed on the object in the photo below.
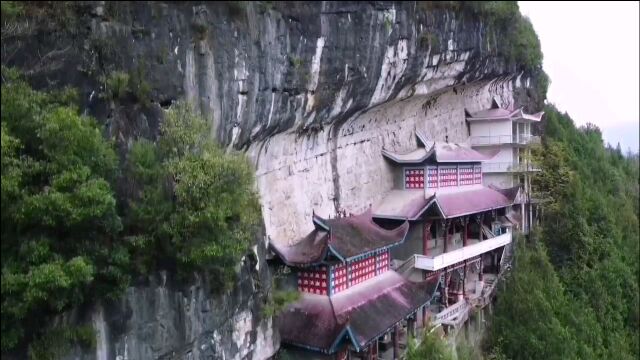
pixel 591 55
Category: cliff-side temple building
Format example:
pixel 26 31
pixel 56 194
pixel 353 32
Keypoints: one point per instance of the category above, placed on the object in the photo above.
pixel 459 231
pixel 504 134
pixel 430 251
pixel 350 298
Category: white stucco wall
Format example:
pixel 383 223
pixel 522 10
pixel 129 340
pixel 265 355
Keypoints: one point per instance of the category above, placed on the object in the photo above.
pixel 491 128
pixel 501 180
pixel 505 154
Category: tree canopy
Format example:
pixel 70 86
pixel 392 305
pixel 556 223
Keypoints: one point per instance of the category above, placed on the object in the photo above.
pixel 576 281
pixel 67 238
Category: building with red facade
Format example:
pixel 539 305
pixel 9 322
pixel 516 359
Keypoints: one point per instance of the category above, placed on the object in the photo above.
pixel 429 252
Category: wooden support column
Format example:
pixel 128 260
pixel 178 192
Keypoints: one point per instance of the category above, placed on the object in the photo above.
pixel 424 316
pixel 396 342
pixel 374 348
pixel 411 325
pixel 446 235
pixel 465 235
pixel 464 279
pixel 426 236
pixel 481 266
pixel 465 222
pixel 447 277
pixel 477 218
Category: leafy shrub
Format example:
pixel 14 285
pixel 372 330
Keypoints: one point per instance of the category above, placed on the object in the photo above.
pixel 578 274
pixel 198 200
pixel 58 341
pixel 58 206
pixel 63 238
pixel 522 45
pixel 431 346
pixel 279 300
pixel 117 85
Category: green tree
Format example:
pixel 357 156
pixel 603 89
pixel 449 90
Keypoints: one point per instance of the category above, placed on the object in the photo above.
pixel 534 288
pixel 67 240
pixel 431 346
pixel 585 254
pixel 59 219
pixel 198 201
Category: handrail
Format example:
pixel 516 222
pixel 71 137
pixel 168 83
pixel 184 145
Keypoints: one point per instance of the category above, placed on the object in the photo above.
pixel 507 167
pixel 452 311
pixel 504 253
pixel 437 262
pixel 479 140
pixel 410 263
pixel 491 140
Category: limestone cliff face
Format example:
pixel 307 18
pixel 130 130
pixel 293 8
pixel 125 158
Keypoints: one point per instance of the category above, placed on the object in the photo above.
pixel 164 319
pixel 311 91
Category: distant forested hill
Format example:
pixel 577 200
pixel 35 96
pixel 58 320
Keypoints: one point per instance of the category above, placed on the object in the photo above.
pixel 573 293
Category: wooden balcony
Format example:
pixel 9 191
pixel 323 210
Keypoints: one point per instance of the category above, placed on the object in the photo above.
pixel 437 260
pixel 520 139
pixel 506 167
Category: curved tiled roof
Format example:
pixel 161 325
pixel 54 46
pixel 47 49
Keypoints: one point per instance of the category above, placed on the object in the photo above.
pixel 410 204
pixel 345 237
pixel 492 114
pixel 450 152
pixel 470 202
pixel 413 157
pixel 503 114
pixel 363 312
pixel 510 193
pixel 441 152
pixel 357 235
pixel 312 249
pixel 402 204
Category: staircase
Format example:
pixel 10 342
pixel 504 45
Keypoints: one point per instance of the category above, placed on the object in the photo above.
pixel 487 292
pixel 488 234
pixel 406 266
pixel 506 259
pixel 488 285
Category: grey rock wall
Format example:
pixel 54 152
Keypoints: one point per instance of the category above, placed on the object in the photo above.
pixel 256 69
pixel 163 319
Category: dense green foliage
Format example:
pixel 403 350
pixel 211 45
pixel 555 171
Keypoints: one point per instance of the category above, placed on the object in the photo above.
pixel 67 239
pixel 119 86
pixel 279 300
pixel 11 10
pixel 577 280
pixel 431 346
pixel 518 45
pixel 59 219
pixel 56 343
pixel 195 208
